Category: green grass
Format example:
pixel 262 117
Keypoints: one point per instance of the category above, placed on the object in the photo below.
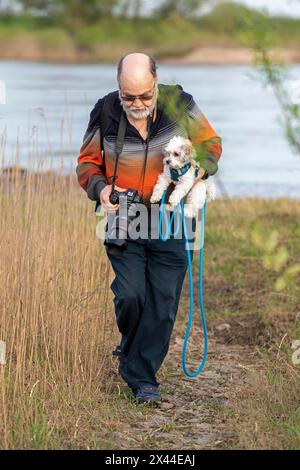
pixel 233 262
pixel 269 407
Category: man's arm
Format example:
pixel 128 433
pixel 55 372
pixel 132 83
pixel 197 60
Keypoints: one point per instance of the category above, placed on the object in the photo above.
pixel 207 142
pixel 90 168
pixel 210 148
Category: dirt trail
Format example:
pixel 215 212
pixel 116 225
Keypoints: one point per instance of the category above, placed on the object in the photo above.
pixel 193 412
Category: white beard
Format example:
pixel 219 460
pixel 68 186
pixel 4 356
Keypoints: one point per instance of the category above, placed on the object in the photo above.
pixel 142 114
pixel 135 114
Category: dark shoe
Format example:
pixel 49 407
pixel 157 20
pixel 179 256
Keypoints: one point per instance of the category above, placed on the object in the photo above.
pixel 147 394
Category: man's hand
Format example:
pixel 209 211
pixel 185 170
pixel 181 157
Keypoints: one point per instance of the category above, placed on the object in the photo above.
pixel 104 197
pixel 201 172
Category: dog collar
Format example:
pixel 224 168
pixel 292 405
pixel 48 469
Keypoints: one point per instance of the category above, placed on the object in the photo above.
pixel 175 174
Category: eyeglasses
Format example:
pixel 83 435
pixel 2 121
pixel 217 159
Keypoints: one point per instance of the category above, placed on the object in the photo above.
pixel 129 99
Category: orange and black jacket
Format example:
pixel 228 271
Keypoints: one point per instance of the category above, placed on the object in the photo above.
pixel 95 166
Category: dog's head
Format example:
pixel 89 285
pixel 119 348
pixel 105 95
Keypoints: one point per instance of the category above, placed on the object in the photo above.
pixel 178 152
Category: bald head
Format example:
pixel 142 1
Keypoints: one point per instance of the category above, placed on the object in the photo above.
pixel 136 68
pixel 137 80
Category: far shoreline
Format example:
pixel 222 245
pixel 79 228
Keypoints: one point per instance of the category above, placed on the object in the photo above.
pixel 202 55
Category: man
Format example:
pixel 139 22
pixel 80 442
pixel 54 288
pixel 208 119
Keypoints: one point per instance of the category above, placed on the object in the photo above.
pixel 149 274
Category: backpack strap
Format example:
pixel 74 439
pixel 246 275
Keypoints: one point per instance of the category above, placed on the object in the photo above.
pixel 102 120
pixel 100 116
pixel 103 116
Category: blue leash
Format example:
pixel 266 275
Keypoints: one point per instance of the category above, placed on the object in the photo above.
pixel 162 213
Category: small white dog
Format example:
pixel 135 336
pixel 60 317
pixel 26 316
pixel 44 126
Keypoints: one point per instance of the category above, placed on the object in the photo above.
pixel 181 169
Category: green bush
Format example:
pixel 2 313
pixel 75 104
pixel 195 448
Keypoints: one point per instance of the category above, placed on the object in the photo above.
pixel 50 38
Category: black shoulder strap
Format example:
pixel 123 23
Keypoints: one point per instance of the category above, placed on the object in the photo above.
pixel 104 123
pixel 103 117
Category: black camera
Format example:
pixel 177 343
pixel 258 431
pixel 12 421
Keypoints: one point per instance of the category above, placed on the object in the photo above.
pixel 131 195
pixel 118 222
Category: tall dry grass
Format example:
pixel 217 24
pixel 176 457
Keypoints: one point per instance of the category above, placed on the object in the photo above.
pixel 58 322
pixel 55 315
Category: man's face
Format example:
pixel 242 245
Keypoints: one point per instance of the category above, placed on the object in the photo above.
pixel 138 99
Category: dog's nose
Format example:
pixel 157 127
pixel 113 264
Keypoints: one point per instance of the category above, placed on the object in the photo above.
pixel 168 161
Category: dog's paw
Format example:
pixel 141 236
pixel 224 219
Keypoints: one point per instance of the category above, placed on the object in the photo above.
pixel 211 191
pixel 189 211
pixel 156 197
pixel 153 199
pixel 174 200
pixel 169 207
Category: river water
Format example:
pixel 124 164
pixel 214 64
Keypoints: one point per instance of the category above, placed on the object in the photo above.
pixel 47 108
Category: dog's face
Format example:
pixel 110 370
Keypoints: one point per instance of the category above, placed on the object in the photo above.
pixel 178 152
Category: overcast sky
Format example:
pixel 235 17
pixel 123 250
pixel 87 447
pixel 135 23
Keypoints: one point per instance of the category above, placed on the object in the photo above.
pixel 285 7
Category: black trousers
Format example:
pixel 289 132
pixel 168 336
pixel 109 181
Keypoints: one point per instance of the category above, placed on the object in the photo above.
pixel 149 276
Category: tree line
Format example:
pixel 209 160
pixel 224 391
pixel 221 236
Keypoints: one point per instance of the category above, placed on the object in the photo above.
pixel 96 9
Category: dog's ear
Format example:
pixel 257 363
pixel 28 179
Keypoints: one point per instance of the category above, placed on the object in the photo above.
pixel 188 148
pixel 164 152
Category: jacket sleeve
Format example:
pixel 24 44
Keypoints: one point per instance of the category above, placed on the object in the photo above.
pixel 90 168
pixel 208 143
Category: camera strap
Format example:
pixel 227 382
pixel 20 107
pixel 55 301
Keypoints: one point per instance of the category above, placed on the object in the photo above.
pixel 119 145
pixel 149 122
